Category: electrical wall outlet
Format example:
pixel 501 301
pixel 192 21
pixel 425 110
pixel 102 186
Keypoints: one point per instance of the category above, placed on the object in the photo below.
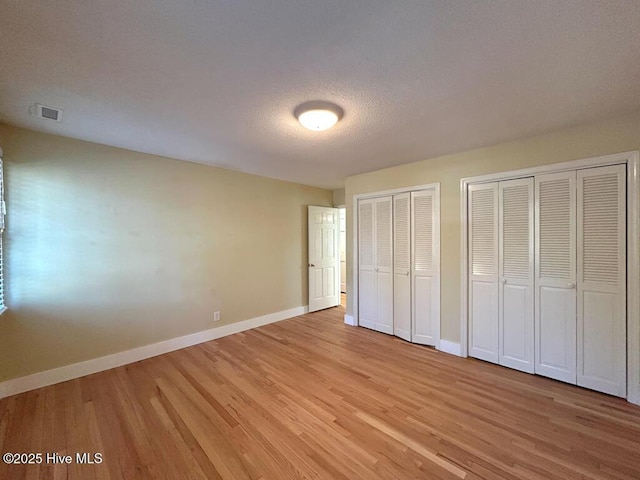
pixel 216 316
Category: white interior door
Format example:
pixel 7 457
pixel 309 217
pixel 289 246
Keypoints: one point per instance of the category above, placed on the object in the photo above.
pixel 555 266
pixel 383 208
pixel 425 248
pixel 601 203
pixel 401 266
pixel 516 274
pixel 324 260
pixel 366 265
pixel 483 274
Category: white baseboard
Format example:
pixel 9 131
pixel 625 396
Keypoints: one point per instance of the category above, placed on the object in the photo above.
pixel 76 370
pixel 449 347
pixel 349 320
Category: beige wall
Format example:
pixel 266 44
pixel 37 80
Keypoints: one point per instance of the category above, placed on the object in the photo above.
pixel 107 249
pixel 611 136
pixel 338 196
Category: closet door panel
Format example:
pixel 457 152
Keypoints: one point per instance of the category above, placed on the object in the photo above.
pixel 556 329
pixel 601 204
pixel 483 278
pixel 402 266
pixel 516 274
pixel 367 301
pixel 384 304
pixel 366 267
pixel 425 263
pixel 384 264
pixel 423 329
pixel 516 332
pixel 483 334
pixel 555 267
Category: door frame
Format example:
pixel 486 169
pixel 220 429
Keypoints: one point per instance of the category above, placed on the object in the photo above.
pixel 354 319
pixel 340 235
pixel 632 161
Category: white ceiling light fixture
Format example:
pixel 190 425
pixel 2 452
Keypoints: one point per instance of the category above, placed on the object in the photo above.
pixel 318 115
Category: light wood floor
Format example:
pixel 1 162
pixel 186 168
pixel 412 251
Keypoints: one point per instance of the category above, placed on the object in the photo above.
pixel 312 398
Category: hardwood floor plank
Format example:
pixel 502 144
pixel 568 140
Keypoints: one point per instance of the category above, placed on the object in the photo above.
pixel 312 398
pixel 412 444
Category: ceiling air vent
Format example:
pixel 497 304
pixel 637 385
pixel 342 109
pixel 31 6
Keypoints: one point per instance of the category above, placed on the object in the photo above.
pixel 48 113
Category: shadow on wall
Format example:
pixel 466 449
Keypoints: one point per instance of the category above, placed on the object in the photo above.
pixel 107 250
pixel 84 278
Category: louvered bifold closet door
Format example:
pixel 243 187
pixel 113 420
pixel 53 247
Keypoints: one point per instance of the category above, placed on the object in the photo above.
pixel 483 268
pixel 516 274
pixel 383 208
pixel 601 199
pixel 366 265
pixel 555 277
pixel 425 247
pixel 401 266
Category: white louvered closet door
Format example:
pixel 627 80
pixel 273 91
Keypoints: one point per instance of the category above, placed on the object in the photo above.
pixel 555 265
pixel 516 274
pixel 601 203
pixel 425 247
pixel 401 267
pixel 483 275
pixel 366 265
pixel 383 208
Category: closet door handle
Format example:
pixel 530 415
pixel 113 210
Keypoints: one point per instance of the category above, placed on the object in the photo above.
pixel 503 281
pixel 311 265
pixel 571 285
pixel 407 274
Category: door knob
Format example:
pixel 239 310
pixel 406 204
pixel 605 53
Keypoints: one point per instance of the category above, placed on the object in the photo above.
pixel 503 281
pixel 571 285
pixel 311 265
pixel 407 274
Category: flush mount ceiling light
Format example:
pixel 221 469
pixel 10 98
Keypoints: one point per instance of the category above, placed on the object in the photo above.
pixel 317 115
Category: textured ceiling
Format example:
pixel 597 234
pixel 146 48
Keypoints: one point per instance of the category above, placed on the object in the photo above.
pixel 216 82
